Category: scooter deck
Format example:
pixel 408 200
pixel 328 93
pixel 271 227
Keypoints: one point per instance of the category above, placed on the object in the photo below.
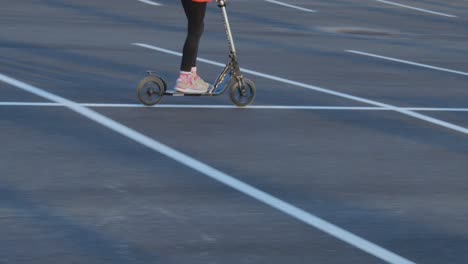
pixel 177 93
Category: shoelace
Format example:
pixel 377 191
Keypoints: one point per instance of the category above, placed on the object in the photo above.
pixel 196 77
pixel 188 80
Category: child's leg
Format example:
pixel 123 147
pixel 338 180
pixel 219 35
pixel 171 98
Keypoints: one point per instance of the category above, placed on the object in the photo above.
pixel 195 13
pixel 188 81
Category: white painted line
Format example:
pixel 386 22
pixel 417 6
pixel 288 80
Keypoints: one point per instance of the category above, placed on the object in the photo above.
pixel 256 107
pixel 28 104
pixel 415 8
pixel 150 2
pixel 215 174
pixel 327 91
pixel 408 62
pixel 291 6
pixel 433 109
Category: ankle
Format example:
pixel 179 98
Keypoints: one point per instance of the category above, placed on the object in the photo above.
pixel 194 73
pixel 185 75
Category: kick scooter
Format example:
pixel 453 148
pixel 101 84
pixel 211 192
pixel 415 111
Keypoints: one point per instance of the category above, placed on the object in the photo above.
pixel 241 90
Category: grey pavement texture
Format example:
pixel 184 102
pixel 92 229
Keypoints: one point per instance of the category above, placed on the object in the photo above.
pixel 72 191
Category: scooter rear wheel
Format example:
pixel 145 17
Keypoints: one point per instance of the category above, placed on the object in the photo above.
pixel 151 90
pixel 242 96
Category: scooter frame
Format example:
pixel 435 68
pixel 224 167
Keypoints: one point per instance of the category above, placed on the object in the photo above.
pixel 231 76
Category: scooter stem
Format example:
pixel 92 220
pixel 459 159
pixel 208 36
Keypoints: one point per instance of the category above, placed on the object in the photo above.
pixel 222 5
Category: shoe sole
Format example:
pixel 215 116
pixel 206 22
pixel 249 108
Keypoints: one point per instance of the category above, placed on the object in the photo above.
pixel 189 91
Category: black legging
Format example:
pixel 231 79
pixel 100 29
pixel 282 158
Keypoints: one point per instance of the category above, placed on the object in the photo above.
pixel 195 13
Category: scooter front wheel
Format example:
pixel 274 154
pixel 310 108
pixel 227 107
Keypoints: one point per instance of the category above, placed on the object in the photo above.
pixel 151 90
pixel 242 96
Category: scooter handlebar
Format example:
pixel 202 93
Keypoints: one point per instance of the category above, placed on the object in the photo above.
pixel 221 2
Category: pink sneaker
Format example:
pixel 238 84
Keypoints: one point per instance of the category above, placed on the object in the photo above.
pixel 200 81
pixel 187 83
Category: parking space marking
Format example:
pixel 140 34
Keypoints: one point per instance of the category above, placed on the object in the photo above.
pixel 407 62
pixel 257 107
pixel 415 8
pixel 150 2
pixel 290 6
pixel 215 174
pixel 413 114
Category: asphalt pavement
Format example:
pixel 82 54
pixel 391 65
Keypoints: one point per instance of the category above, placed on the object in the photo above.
pixel 360 120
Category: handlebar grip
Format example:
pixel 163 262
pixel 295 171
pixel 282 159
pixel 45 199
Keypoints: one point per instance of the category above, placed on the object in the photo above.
pixel 221 3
